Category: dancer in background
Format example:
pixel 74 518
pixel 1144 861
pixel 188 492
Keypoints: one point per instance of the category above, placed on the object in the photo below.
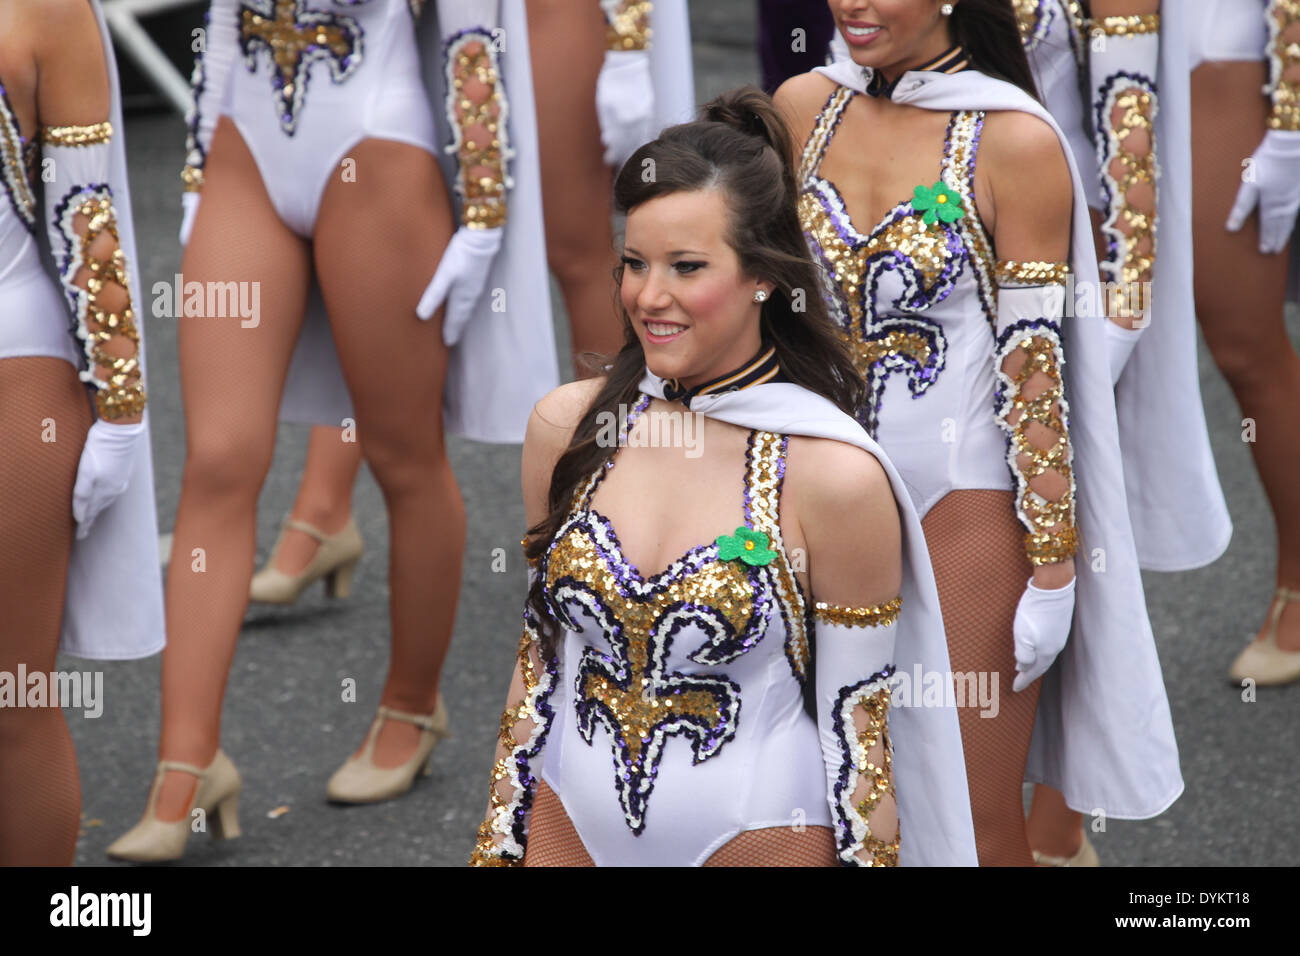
pixel 1131 139
pixel 954 304
pixel 1245 158
pixel 78 536
pixel 606 78
pixel 693 679
pixel 319 153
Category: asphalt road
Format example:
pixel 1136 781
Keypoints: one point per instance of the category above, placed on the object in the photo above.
pixel 287 728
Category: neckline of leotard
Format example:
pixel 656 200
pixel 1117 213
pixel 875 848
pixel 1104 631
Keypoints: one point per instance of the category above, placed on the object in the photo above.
pixel 813 172
pixel 691 558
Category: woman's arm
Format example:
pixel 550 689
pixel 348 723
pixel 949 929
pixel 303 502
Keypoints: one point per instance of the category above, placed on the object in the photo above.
pixel 526 721
pixel 476 109
pixel 1124 54
pixel 73 100
pixel 1033 198
pixel 849 520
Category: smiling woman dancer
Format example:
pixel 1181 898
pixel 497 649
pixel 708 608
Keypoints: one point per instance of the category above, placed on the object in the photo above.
pixel 318 152
pixel 660 718
pixel 997 408
pixel 78 537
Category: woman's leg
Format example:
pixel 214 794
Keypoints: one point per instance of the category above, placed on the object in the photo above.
pixel 40 798
pixel 977 550
pixel 377 241
pixel 231 381
pixel 324 495
pixel 1239 299
pixel 567 49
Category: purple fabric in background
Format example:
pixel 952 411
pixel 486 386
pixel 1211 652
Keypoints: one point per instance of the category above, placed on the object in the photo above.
pixel 777 19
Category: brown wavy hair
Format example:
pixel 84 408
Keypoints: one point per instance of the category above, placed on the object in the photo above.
pixel 740 145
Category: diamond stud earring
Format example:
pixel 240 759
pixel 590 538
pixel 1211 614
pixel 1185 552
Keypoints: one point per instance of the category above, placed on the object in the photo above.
pixel 760 295
pixel 946 9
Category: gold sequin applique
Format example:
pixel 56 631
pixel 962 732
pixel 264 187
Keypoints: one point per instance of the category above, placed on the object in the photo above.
pixel 628 24
pixel 1130 233
pixel 91 135
pixel 868 699
pixel 502 836
pixel 295 38
pixel 14 164
pixel 484 176
pixel 1127 26
pixel 1011 272
pixel 123 393
pixel 874 616
pixel 1051 533
pixel 1283 56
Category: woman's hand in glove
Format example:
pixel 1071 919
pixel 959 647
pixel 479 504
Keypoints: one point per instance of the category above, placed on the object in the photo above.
pixel 1041 628
pixel 104 470
pixel 462 273
pixel 1275 187
pixel 625 100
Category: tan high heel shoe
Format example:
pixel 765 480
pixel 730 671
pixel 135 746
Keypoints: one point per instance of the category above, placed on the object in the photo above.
pixel 360 781
pixel 152 841
pixel 335 560
pixel 1087 856
pixel 1262 660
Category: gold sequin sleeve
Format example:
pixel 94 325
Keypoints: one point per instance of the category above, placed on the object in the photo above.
pixel 477 111
pixel 854 678
pixel 517 766
pixel 82 222
pixel 1030 405
pixel 1283 53
pixel 627 24
pixel 1123 60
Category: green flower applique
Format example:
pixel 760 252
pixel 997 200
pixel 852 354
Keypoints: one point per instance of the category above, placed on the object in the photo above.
pixel 938 203
pixel 752 547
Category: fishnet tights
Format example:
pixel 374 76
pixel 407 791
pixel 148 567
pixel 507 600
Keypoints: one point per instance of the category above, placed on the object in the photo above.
pixel 977 551
pixel 40 795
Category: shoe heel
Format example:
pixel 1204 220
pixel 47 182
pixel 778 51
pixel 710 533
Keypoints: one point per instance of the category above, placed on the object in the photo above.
pixel 338 583
pixel 427 769
pixel 225 826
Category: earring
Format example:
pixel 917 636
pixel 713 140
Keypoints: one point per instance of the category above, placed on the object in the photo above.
pixel 760 295
pixel 946 9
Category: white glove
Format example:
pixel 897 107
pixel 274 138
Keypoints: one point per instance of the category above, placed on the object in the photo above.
pixel 1041 628
pixel 625 100
pixel 104 470
pixel 462 274
pixel 1275 186
pixel 190 205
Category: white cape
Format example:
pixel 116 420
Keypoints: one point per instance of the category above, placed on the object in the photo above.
pixel 505 361
pixel 113 604
pixel 1103 734
pixel 929 768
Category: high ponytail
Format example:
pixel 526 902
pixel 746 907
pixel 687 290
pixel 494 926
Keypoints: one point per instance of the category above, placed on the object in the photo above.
pixel 741 146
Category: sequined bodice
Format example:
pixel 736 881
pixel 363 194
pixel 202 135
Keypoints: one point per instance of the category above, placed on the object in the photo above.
pixel 673 655
pixel 900 291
